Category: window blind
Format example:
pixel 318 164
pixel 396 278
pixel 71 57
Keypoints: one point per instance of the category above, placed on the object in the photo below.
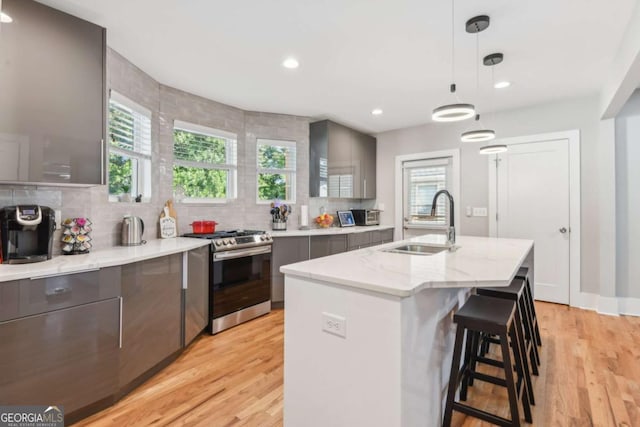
pixel 129 125
pixel 199 146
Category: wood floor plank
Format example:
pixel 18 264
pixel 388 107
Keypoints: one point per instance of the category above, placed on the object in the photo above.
pixel 590 376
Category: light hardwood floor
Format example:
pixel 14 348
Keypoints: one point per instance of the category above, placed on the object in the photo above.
pixel 590 376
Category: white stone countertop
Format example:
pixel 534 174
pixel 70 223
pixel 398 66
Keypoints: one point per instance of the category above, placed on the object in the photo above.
pixel 117 255
pixel 478 262
pixel 328 231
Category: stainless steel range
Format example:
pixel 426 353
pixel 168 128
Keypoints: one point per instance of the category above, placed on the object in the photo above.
pixel 239 277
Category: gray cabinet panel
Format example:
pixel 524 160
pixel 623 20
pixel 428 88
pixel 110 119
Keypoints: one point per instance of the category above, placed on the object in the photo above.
pixel 327 245
pixel 52 107
pixel 359 240
pixel 196 302
pixel 381 236
pixel 151 314
pixel 9 300
pixel 66 357
pixel 285 250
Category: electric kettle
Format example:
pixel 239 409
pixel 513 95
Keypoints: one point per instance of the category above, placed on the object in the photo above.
pixel 132 230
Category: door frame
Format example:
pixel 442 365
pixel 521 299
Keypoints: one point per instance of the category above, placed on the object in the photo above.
pixel 455 183
pixel 573 136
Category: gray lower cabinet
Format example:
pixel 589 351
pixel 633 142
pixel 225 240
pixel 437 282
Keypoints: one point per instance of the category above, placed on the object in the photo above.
pixel 285 250
pixel 320 246
pixel 64 357
pixel 358 240
pixel 196 294
pixel 151 314
pixel 379 237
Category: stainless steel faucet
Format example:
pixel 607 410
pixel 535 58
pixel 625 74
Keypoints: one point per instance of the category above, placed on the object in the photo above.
pixel 451 233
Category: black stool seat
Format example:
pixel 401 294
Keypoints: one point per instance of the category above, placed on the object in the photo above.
pixel 487 315
pixel 523 272
pixel 513 291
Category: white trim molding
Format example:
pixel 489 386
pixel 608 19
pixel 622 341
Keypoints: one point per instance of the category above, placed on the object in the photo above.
pixel 573 136
pixel 455 184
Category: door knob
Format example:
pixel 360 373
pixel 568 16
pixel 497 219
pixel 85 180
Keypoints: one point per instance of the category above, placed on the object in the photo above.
pixel 563 230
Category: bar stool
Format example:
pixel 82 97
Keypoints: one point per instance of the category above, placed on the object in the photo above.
pixel 516 292
pixel 494 316
pixel 523 273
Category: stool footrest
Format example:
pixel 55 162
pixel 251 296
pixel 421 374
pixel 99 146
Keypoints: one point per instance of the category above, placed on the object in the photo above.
pixel 492 362
pixel 488 378
pixel 483 415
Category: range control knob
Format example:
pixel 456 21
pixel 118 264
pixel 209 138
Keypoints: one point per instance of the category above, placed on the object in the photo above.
pixel 218 243
pixel 232 241
pixel 268 236
pixel 263 237
pixel 225 242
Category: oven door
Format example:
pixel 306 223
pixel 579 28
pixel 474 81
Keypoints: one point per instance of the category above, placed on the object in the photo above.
pixel 241 278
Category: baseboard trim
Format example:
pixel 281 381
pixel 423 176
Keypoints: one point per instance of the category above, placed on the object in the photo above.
pixel 611 306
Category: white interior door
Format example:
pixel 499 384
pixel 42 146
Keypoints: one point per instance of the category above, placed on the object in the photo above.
pixel 533 203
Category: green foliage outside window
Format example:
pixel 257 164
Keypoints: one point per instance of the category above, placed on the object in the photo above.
pixel 120 169
pixel 274 185
pixel 198 182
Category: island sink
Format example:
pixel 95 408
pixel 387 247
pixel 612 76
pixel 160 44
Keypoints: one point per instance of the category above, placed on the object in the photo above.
pixel 417 249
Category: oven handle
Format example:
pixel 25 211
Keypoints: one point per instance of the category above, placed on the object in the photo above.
pixel 240 253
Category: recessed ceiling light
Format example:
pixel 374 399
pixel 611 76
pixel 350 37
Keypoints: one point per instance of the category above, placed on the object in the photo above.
pixel 5 19
pixel 376 111
pixel 291 63
pixel 502 85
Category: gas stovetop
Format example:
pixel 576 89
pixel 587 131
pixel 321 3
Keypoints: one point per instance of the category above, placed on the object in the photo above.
pixel 235 239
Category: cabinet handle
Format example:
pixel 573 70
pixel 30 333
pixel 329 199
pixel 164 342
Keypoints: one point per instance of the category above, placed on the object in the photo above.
pixel 120 325
pixel 364 196
pixel 58 291
pixel 102 179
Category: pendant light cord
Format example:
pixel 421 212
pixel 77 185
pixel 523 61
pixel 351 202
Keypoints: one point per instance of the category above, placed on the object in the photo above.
pixel 453 46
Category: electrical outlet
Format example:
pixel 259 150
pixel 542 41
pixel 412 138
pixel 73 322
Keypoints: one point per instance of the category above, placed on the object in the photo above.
pixel 479 211
pixel 336 325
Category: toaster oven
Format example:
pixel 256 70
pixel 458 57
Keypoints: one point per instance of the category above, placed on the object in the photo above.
pixel 366 216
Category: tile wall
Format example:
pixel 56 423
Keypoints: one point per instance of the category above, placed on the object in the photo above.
pixel 168 104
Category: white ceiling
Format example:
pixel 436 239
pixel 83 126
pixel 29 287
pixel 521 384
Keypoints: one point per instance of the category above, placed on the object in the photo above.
pixel 359 54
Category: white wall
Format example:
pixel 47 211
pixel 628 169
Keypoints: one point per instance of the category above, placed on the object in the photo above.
pixel 628 198
pixel 580 113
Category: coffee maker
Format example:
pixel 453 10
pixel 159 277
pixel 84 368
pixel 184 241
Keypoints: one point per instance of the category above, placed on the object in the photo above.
pixel 26 233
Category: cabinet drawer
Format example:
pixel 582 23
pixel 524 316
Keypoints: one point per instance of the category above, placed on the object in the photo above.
pixel 9 300
pixel 56 292
pixel 359 240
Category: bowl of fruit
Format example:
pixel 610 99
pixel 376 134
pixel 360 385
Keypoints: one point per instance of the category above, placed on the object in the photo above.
pixel 324 220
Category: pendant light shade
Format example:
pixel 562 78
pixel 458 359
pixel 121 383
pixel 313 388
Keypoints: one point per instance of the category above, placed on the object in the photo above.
pixel 493 149
pixel 479 135
pixel 453 113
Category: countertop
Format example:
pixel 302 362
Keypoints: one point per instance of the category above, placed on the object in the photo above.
pixel 328 231
pixel 477 262
pixel 118 255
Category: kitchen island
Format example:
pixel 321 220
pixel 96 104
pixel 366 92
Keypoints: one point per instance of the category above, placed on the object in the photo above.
pixel 369 333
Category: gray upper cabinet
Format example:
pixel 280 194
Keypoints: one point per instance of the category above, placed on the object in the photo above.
pixel 52 102
pixel 342 162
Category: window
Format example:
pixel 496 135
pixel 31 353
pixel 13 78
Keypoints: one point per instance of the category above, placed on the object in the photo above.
pixel 423 179
pixel 204 165
pixel 129 149
pixel 276 170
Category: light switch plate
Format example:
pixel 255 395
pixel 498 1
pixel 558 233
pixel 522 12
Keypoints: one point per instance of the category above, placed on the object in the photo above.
pixel 479 211
pixel 334 324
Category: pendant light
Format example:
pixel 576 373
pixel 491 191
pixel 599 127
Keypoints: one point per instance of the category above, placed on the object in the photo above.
pixel 491 61
pixel 457 111
pixel 475 26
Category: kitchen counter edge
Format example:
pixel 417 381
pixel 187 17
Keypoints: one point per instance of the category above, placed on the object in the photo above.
pixel 114 256
pixel 329 231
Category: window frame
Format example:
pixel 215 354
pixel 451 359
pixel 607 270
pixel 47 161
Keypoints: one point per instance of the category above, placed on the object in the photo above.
pixel 292 172
pixel 231 151
pixel 139 180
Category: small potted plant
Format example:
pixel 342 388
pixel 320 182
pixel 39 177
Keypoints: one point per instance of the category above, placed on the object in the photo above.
pixel 126 193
